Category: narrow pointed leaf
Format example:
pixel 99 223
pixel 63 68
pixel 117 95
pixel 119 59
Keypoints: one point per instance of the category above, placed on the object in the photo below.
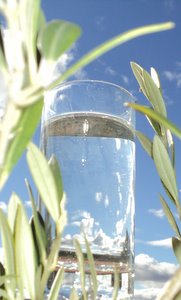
pixel 8 247
pixel 116 283
pixel 29 16
pixel 138 73
pixel 156 116
pixel 56 38
pixel 74 295
pixel 53 163
pixel 26 263
pixel 44 180
pixel 110 44
pixel 55 288
pixel 176 244
pixel 39 233
pixel 51 262
pixel 165 169
pixel 155 77
pixel 170 216
pixel 92 267
pixel 154 94
pixel 155 125
pixel 80 258
pixel 7 242
pixel 171 146
pixel 12 210
pixel 22 132
pixel 145 142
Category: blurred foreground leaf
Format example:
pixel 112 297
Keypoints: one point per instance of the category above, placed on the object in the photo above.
pixel 108 45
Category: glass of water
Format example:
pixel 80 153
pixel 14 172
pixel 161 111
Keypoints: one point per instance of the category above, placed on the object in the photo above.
pixel 86 125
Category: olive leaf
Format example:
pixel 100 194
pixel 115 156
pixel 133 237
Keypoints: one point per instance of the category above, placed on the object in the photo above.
pixel 155 77
pixel 176 244
pixel 92 267
pixel 116 283
pixel 108 45
pixel 21 133
pixel 170 216
pixel 29 15
pixel 12 210
pixel 45 180
pixel 165 169
pixel 25 255
pixel 54 165
pixel 81 262
pixel 9 258
pixel 145 142
pixel 38 229
pixel 154 95
pixel 156 116
pixel 56 38
pixel 55 288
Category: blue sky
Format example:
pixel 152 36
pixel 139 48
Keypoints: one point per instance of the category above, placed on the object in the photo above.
pixel 101 20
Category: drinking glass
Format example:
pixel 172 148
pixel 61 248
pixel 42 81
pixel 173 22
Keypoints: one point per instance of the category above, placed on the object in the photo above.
pixel 86 125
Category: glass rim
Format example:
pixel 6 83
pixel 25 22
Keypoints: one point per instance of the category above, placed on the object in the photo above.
pixel 97 81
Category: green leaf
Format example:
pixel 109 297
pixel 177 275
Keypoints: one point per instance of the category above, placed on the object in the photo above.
pixel 154 94
pixel 170 216
pixel 150 87
pixel 21 132
pixel 51 262
pixel 55 288
pixel 155 125
pixel 138 73
pixel 165 169
pixel 108 45
pixel 53 163
pixel 156 116
pixel 80 258
pixel 12 210
pixel 145 142
pixel 8 247
pixel 116 283
pixel 38 229
pixel 74 295
pixel 56 38
pixel 3 294
pixel 25 255
pixel 92 267
pixel 29 16
pixel 176 244
pixel 171 146
pixel 45 181
pixel 156 78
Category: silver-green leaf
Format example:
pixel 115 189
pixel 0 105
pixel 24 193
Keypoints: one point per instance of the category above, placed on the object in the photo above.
pixel 165 169
pixel 145 142
pixel 170 216
pixel 176 244
pixel 56 38
pixel 26 263
pixel 45 180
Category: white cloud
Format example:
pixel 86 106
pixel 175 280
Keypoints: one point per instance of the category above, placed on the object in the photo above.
pixel 157 212
pixel 150 276
pixel 166 243
pixel 110 71
pixel 173 76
